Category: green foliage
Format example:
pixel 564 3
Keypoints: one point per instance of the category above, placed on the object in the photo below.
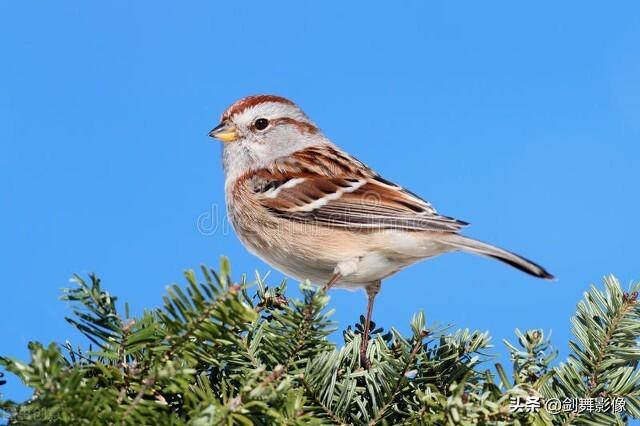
pixel 215 355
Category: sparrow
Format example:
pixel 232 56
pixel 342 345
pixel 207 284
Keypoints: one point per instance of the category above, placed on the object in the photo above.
pixel 315 212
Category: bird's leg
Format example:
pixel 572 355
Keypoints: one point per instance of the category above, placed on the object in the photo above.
pixel 334 279
pixel 372 290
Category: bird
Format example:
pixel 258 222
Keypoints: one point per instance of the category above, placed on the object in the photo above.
pixel 314 212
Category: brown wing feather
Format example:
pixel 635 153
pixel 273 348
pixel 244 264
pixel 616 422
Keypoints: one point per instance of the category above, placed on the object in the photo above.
pixel 325 186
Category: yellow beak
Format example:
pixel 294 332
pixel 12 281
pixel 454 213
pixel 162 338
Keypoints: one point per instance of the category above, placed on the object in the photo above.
pixel 225 132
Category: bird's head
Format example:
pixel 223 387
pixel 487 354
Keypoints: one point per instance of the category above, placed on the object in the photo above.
pixel 259 129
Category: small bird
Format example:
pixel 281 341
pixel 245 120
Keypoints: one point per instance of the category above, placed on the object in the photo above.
pixel 314 212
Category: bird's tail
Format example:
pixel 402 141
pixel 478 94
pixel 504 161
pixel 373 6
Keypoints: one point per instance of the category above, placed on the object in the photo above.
pixel 470 245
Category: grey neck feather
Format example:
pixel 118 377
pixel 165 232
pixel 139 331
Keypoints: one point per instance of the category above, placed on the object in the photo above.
pixel 245 156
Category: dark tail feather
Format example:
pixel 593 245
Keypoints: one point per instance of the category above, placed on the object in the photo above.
pixel 478 247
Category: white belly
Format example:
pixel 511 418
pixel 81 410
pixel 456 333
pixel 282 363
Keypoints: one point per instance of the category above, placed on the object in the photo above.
pixel 368 263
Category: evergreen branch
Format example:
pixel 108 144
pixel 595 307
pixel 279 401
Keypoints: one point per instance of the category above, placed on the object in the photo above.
pixel 326 410
pixel 417 345
pixel 255 363
pixel 301 332
pixel 207 358
pixel 191 328
pixel 627 306
pixel 613 309
pixel 146 384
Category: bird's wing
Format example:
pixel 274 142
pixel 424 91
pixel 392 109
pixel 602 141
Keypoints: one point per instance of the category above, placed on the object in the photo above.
pixel 325 186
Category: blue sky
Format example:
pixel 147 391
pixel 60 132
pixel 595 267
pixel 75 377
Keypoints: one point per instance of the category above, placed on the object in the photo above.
pixel 523 119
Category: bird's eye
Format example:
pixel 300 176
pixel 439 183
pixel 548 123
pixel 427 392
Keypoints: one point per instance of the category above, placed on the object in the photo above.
pixel 261 123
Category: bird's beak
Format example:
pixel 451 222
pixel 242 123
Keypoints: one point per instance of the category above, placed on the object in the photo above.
pixel 226 132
